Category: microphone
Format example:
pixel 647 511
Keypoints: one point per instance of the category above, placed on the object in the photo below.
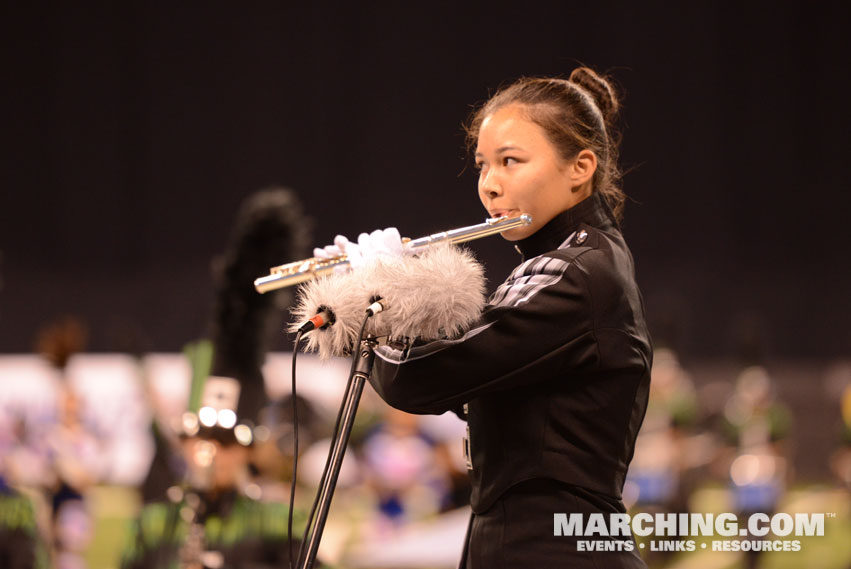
pixel 378 305
pixel 437 294
pixel 324 317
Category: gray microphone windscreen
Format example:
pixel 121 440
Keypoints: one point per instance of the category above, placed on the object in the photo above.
pixel 438 293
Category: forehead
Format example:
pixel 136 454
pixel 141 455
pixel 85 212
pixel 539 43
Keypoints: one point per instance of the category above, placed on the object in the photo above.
pixel 511 126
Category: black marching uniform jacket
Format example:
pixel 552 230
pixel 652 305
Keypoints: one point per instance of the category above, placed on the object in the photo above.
pixel 553 380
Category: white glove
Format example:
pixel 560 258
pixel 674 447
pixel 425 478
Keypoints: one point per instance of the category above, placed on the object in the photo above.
pixel 380 243
pixel 335 250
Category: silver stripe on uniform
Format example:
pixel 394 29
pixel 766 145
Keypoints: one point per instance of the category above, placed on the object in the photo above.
pixel 524 282
pixel 521 286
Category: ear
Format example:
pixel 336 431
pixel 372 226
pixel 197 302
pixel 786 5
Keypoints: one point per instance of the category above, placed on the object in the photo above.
pixel 582 168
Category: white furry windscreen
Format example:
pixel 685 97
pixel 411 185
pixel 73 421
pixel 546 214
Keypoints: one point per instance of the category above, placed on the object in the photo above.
pixel 435 294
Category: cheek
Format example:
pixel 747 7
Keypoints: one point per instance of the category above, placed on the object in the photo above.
pixel 547 186
pixel 529 188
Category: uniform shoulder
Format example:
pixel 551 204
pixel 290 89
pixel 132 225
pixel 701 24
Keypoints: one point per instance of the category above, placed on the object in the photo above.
pixel 584 240
pixel 598 254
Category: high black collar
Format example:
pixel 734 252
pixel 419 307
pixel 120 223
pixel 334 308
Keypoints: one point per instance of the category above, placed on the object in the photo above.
pixel 592 211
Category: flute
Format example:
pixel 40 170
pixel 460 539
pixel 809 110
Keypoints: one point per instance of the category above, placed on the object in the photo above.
pixel 307 269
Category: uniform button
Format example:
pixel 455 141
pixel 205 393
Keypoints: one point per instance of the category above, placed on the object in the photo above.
pixel 581 237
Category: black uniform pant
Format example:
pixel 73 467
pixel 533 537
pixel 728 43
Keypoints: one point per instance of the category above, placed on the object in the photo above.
pixel 517 531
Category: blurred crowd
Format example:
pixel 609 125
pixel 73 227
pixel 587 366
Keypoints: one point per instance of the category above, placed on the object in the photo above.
pixel 210 492
pixel 212 487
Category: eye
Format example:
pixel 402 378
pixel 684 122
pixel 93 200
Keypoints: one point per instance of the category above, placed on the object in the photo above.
pixel 509 161
pixel 480 164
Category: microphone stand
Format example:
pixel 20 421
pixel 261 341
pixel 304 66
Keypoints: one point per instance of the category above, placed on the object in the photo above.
pixel 364 356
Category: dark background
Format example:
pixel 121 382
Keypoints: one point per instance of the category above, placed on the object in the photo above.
pixel 133 132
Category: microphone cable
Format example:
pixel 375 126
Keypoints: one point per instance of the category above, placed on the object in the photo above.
pixel 325 317
pixel 295 452
pixel 326 470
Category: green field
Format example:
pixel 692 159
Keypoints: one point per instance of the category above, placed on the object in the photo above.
pixel 115 507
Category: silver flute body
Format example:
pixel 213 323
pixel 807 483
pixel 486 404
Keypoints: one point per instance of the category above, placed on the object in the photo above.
pixel 302 271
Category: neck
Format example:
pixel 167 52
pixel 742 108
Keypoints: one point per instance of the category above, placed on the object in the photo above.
pixel 591 211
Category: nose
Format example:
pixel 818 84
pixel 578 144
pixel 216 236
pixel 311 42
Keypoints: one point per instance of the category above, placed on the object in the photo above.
pixel 489 185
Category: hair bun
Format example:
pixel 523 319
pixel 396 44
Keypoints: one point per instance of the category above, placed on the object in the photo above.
pixel 599 88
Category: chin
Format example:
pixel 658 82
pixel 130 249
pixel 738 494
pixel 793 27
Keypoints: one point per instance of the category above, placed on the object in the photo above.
pixel 517 233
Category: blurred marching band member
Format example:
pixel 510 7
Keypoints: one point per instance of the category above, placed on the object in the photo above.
pixel 216 519
pixel 216 516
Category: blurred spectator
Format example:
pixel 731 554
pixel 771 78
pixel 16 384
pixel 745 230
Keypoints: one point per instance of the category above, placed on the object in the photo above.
pixel 448 432
pixel 26 452
pixel 655 469
pixel 75 455
pixel 660 475
pixel 401 467
pixel 755 425
pixel 74 452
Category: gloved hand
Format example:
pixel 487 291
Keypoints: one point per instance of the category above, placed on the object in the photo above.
pixel 371 246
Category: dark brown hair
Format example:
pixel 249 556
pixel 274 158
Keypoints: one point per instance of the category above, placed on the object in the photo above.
pixel 575 114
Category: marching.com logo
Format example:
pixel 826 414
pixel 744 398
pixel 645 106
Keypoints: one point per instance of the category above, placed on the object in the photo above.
pixel 758 525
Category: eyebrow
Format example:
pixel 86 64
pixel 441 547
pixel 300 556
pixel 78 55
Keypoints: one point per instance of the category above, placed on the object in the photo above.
pixel 501 149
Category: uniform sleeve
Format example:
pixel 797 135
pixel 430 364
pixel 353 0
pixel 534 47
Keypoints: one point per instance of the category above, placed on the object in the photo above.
pixel 537 325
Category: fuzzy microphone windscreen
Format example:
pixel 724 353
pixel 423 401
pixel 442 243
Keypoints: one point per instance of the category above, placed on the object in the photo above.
pixel 435 294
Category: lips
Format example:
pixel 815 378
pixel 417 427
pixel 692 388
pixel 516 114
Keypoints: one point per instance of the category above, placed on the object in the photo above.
pixel 501 213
